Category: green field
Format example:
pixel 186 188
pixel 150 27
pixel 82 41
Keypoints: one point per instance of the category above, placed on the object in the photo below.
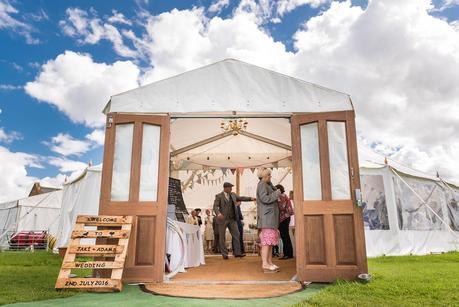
pixel 398 281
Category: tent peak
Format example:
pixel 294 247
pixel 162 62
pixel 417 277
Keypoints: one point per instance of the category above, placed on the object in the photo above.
pixel 226 60
pixel 229 85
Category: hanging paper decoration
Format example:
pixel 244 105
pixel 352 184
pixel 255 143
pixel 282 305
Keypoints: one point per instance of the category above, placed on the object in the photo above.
pixel 253 170
pixel 233 170
pixel 224 170
pixel 199 180
pixel 241 170
pixel 185 165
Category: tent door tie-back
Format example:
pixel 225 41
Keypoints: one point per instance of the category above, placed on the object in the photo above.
pixel 427 205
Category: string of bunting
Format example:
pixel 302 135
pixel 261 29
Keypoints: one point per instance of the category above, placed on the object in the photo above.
pixel 203 178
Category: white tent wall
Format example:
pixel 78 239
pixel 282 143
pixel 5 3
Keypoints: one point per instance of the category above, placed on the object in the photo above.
pixel 36 213
pixel 80 196
pixel 413 227
pixel 8 219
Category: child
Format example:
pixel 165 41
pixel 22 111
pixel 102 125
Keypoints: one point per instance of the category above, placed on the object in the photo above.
pixel 208 231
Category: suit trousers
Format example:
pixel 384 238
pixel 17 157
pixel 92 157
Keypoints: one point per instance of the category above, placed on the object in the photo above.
pixel 234 231
pixel 240 227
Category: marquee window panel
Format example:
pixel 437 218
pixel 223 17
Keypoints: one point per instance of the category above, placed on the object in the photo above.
pixel 375 215
pixel 413 214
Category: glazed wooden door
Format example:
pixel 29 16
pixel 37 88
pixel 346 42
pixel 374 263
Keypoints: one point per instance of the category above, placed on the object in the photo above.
pixel 328 224
pixel 134 182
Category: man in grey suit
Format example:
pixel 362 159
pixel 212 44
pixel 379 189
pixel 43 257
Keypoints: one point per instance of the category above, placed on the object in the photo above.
pixel 226 214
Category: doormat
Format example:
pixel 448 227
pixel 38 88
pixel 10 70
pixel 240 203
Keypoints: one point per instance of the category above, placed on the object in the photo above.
pixel 223 290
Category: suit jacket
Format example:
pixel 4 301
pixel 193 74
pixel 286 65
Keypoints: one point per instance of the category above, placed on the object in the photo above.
pixel 221 205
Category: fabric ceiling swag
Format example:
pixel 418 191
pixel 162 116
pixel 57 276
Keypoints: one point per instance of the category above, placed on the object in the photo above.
pixel 227 134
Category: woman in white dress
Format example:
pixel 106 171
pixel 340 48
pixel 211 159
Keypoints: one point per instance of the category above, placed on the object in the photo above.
pixel 208 231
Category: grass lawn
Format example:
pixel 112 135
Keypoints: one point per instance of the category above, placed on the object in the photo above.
pixel 398 281
pixel 26 276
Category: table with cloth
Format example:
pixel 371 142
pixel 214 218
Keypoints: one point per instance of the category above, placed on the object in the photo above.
pixel 193 249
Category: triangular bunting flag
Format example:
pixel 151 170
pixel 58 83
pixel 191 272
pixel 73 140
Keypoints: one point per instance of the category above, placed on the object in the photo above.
pixel 253 170
pixel 233 170
pixel 241 170
pixel 224 170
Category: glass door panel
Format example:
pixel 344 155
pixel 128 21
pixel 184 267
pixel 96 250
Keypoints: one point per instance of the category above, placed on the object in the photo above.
pixel 122 162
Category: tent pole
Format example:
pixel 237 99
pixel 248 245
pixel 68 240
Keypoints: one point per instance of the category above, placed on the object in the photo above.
pixel 238 182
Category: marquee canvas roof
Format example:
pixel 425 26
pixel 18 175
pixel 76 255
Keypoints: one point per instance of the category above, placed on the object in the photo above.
pixel 227 86
pixel 231 151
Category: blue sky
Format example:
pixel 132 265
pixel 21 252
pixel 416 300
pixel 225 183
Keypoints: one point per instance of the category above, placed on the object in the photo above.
pixel 44 137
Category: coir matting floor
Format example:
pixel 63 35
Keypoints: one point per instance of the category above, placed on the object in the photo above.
pixel 235 278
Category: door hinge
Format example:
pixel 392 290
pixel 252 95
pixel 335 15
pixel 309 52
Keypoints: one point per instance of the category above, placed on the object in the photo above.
pixel 109 121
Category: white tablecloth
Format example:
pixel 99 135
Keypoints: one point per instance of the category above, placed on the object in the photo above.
pixel 194 248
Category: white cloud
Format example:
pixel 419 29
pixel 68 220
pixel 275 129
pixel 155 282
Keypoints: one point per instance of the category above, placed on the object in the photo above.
pixel 15 182
pixel 177 41
pixel 8 137
pixel 447 4
pixel 66 165
pixel 91 29
pixel 66 145
pixel 218 6
pixel 9 87
pixel 400 65
pixel 286 6
pixel 8 21
pixel 80 87
pixel 97 136
pixel 118 17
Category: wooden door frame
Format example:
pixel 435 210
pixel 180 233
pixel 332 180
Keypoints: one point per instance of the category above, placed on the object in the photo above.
pixel 156 208
pixel 327 272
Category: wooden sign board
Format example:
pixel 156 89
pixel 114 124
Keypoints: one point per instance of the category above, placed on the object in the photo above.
pixel 96 249
pixel 116 252
pixel 93 265
pixel 175 197
pixel 111 234
pixel 103 220
pixel 88 283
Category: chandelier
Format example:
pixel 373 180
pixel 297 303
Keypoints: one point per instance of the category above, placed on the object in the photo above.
pixel 235 126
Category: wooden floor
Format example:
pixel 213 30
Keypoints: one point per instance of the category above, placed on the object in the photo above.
pixel 237 269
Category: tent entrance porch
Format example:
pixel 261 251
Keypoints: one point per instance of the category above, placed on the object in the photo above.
pixel 140 150
pixel 205 153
